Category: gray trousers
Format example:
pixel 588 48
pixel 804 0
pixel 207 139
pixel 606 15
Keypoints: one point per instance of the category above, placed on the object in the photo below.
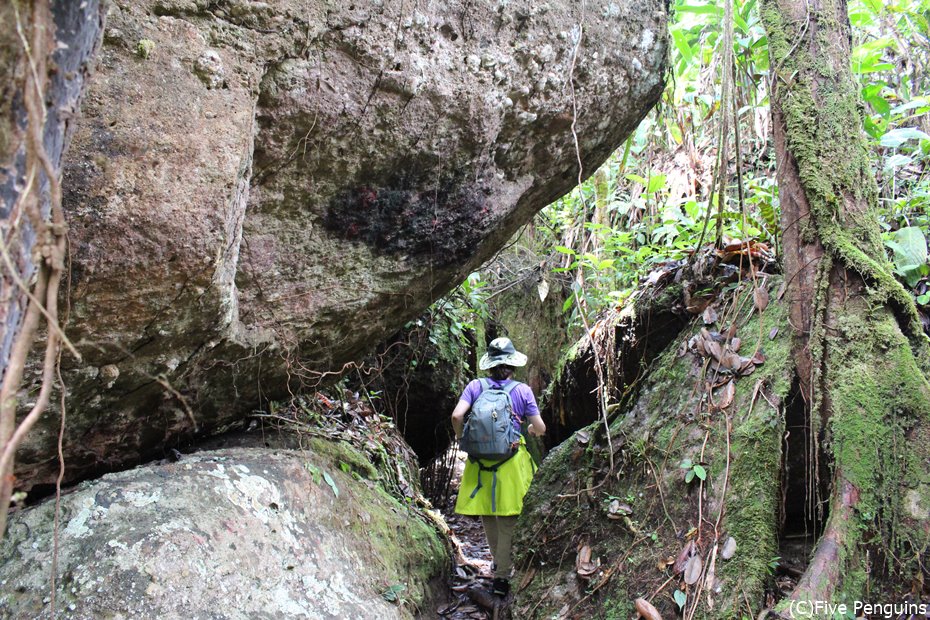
pixel 499 531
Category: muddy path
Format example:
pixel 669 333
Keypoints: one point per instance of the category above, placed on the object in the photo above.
pixel 472 574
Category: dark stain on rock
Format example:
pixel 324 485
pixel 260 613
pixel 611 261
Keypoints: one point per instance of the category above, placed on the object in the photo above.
pixel 444 221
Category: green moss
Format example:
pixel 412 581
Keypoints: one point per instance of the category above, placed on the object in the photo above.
pixel 144 48
pixel 5 134
pixel 824 135
pixel 412 555
pixel 878 394
pixel 664 425
pixel 341 451
pixel 615 609
pixel 867 364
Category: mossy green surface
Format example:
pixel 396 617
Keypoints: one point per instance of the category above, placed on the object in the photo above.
pixel 821 108
pixel 666 424
pixel 267 532
pixel 868 352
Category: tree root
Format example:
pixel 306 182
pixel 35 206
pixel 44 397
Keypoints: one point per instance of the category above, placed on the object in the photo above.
pixel 824 573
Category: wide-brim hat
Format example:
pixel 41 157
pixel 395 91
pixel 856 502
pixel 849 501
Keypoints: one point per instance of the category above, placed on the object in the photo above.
pixel 501 352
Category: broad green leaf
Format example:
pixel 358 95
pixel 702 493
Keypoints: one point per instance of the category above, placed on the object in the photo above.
pixel 683 46
pixel 706 9
pixel 873 96
pixel 911 105
pixel 656 182
pixel 689 476
pixel 680 598
pixel 332 483
pixel 392 593
pixel 897 137
pixel 876 67
pixel 314 472
pixel 910 253
pixel 740 22
pixel 875 127
pixel 700 472
pixel 911 246
pixel 897 160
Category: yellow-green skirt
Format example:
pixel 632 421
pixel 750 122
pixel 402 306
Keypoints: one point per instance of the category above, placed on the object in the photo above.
pixel 513 481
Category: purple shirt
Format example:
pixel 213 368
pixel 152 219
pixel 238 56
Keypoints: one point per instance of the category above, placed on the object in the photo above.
pixel 524 403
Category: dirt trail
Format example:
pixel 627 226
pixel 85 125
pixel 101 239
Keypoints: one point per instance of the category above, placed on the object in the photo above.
pixel 473 563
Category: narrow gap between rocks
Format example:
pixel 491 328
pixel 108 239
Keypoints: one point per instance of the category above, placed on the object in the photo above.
pixel 472 562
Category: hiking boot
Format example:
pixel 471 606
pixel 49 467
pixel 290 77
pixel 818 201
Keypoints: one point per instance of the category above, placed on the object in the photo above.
pixel 500 587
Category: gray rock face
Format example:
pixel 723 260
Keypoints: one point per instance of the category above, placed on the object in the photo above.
pixel 234 534
pixel 259 192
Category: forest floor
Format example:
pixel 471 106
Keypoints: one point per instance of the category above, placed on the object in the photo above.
pixel 473 562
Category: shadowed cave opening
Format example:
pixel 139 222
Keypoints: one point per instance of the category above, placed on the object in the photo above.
pixel 804 489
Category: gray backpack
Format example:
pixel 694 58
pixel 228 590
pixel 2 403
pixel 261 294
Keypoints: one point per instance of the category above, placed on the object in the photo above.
pixel 489 432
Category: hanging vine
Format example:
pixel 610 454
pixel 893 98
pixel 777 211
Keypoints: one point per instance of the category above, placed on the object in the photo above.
pixel 48 254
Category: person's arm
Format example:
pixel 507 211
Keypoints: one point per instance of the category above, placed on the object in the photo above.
pixel 458 417
pixel 536 425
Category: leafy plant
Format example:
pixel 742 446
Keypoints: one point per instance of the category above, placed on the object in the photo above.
pixel 693 470
pixel 315 472
pixel 318 475
pixel 394 593
pixel 144 48
pixel 910 253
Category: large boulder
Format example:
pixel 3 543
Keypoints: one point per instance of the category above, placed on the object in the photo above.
pixel 260 192
pixel 234 533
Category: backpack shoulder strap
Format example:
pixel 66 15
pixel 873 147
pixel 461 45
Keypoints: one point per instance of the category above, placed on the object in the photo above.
pixel 485 384
pixel 510 386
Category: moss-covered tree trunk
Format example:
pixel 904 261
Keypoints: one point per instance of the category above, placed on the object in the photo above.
pixel 611 520
pixel 860 352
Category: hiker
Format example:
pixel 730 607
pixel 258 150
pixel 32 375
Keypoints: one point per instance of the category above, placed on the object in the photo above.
pixel 494 488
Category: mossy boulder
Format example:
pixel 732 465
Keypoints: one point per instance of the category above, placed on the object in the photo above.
pixel 639 515
pixel 237 533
